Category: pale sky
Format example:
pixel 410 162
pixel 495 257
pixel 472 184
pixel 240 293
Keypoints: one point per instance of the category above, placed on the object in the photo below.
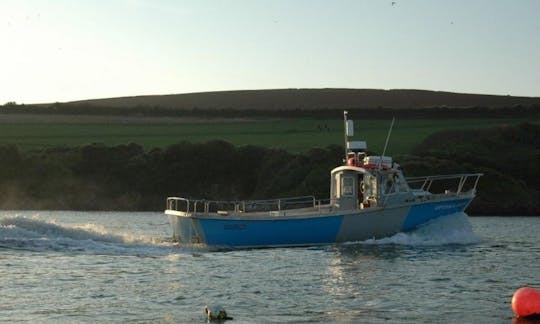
pixel 63 50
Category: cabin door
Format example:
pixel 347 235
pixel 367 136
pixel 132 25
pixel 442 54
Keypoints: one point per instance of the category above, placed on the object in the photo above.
pixel 347 190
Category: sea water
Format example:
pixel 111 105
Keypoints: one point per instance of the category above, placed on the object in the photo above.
pixel 82 267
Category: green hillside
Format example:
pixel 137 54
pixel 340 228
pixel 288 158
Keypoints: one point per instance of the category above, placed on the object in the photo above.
pixel 294 135
pixel 312 99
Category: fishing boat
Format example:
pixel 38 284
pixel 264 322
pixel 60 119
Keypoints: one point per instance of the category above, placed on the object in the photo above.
pixel 370 198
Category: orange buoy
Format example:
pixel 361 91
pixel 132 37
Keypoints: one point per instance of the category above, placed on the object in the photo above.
pixel 526 302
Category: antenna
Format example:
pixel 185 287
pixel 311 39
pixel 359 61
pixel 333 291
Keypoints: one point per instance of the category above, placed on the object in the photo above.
pixel 386 143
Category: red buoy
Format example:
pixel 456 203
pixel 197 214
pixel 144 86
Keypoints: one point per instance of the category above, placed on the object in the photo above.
pixel 526 302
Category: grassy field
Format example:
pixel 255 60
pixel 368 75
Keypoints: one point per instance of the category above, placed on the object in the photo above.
pixel 35 132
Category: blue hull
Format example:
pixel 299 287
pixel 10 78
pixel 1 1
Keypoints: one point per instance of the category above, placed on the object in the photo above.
pixel 359 225
pixel 421 214
pixel 238 233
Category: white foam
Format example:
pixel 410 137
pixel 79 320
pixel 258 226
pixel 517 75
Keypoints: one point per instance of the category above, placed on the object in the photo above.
pixel 451 229
pixel 37 234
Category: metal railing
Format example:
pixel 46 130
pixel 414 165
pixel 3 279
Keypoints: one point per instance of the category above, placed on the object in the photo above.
pixel 462 183
pixel 244 206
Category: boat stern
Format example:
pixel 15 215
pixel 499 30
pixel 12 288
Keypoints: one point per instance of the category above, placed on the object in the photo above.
pixel 184 228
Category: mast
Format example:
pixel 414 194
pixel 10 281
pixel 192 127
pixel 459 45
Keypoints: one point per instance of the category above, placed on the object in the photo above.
pixel 345 112
pixel 348 124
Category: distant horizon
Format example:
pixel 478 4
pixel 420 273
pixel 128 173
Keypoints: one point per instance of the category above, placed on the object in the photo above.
pixel 63 51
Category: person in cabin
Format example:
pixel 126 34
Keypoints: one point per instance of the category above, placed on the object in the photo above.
pixel 360 189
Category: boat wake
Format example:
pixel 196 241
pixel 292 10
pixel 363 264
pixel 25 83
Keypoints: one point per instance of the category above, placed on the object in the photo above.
pixel 39 235
pixel 451 229
pixel 35 234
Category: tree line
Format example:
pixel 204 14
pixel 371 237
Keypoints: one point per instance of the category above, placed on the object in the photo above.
pixel 125 177
pixel 436 112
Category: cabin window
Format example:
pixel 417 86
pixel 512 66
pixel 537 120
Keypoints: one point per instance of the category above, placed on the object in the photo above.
pixel 389 184
pixel 347 186
pixel 372 192
pixel 401 184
